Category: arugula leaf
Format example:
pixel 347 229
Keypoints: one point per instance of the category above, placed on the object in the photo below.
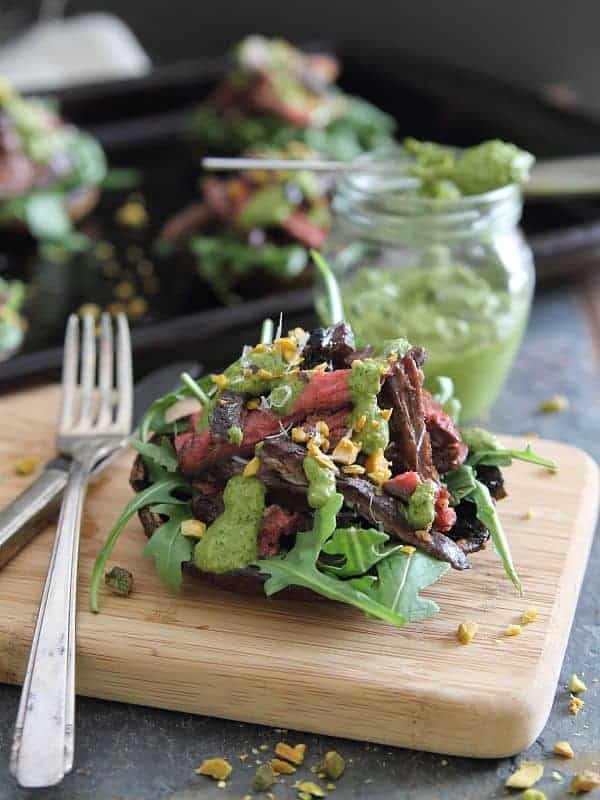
pixel 46 216
pixel 298 568
pixel 462 485
pixel 400 579
pixel 163 454
pixel 442 391
pixel 159 492
pixel 169 547
pixel 504 458
pixel 154 418
pixel 359 548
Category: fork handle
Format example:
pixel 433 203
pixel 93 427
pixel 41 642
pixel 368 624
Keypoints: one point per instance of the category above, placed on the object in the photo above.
pixel 42 751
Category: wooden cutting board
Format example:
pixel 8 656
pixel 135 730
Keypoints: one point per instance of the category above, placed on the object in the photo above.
pixel 318 666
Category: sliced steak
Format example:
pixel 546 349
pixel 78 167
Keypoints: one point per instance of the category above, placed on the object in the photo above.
pixel 410 447
pixel 449 450
pixel 492 477
pixel 207 501
pixel 468 532
pixel 277 522
pixel 228 412
pixel 333 345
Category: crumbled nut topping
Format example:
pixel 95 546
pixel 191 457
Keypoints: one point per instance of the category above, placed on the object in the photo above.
pixel 466 632
pixel 26 466
pixel 533 794
pixel 309 789
pixel 251 468
pixel 563 749
pixel 584 781
pixel 217 768
pixel 332 765
pixel 221 381
pixel 280 767
pixel 346 451
pixel 525 776
pixel 513 630
pixel 294 754
pixel 576 685
pixel 354 469
pixel 529 615
pixel 554 404
pixel 193 528
pixel 575 705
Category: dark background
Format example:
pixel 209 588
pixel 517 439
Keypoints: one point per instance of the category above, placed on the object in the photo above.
pixel 548 45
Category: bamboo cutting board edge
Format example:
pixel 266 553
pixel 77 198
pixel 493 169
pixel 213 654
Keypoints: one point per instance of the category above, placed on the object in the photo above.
pixel 316 666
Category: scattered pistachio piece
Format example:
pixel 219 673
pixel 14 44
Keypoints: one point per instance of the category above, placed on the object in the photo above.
pixel 193 528
pixel 575 705
pixel 299 435
pixel 294 754
pixel 466 632
pixel 251 467
pixel 264 778
pixel 119 581
pixel 584 782
pixel 26 466
pixel 217 768
pixel 333 765
pixel 132 214
pixel 513 630
pixel 529 615
pixel 525 776
pixel 280 767
pixel 576 685
pixel 221 381
pixel 563 749
pixel 310 788
pixel 554 404
pixel 528 514
pixel 533 794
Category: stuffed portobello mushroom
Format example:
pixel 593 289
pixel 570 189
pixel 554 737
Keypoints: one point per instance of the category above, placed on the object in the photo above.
pixel 50 171
pixel 274 93
pixel 312 463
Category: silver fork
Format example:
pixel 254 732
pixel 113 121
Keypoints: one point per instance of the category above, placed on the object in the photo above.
pixel 95 418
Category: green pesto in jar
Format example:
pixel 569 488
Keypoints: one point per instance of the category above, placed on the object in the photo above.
pixel 470 329
pixel 364 384
pixel 321 482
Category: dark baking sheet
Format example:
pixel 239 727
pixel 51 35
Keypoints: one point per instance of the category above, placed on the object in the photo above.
pixel 141 124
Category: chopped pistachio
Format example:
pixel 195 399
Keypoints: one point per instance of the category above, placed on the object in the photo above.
pixel 310 788
pixel 354 469
pixel 119 581
pixel 333 764
pixel 251 467
pixel 584 782
pixel 360 423
pixel 132 214
pixel 563 749
pixel 264 778
pixel 408 549
pixel 299 435
pixel 280 767
pixel 529 615
pixel 576 685
pixel 554 404
pixel 346 451
pixel 194 528
pixel 253 404
pixel 575 705
pixel 528 514
pixel 220 381
pixel 466 632
pixel 533 794
pixel 217 768
pixel 320 457
pixel 26 466
pixel 386 413
pixel 294 754
pixel 513 630
pixel 525 776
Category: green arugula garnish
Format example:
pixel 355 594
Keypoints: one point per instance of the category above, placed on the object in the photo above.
pixel 162 454
pixel 400 579
pixel 356 549
pixel 504 458
pixel 463 485
pixel 299 568
pixel 168 546
pixel 156 493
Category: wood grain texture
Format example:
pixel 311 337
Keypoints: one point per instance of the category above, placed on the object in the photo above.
pixel 318 666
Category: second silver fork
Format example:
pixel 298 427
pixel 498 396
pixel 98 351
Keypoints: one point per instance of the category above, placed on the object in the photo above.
pixel 95 419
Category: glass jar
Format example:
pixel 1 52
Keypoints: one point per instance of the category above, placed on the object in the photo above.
pixel 455 276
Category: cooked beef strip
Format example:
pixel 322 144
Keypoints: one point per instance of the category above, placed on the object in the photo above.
pixel 410 447
pixel 228 412
pixel 449 450
pixel 334 345
pixel 277 523
pixel 282 458
pixel 138 477
pixel 150 521
pixel 468 532
pixel 492 477
pixel 207 501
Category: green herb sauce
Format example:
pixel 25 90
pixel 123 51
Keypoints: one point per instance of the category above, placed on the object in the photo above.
pixel 230 543
pixel 364 384
pixel 321 482
pixel 235 435
pixel 421 506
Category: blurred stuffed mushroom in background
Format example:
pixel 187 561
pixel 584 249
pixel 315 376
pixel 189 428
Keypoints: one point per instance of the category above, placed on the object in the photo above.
pixel 50 171
pixel 275 93
pixel 253 231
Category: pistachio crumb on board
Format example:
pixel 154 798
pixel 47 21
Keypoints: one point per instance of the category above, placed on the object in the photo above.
pixel 527 774
pixel 529 615
pixel 533 794
pixel 294 754
pixel 563 749
pixel 575 705
pixel 332 765
pixel 264 778
pixel 309 789
pixel 26 466
pixel 281 767
pixel 217 768
pixel 554 404
pixel 466 632
pixel 513 630
pixel 584 781
pixel 576 685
